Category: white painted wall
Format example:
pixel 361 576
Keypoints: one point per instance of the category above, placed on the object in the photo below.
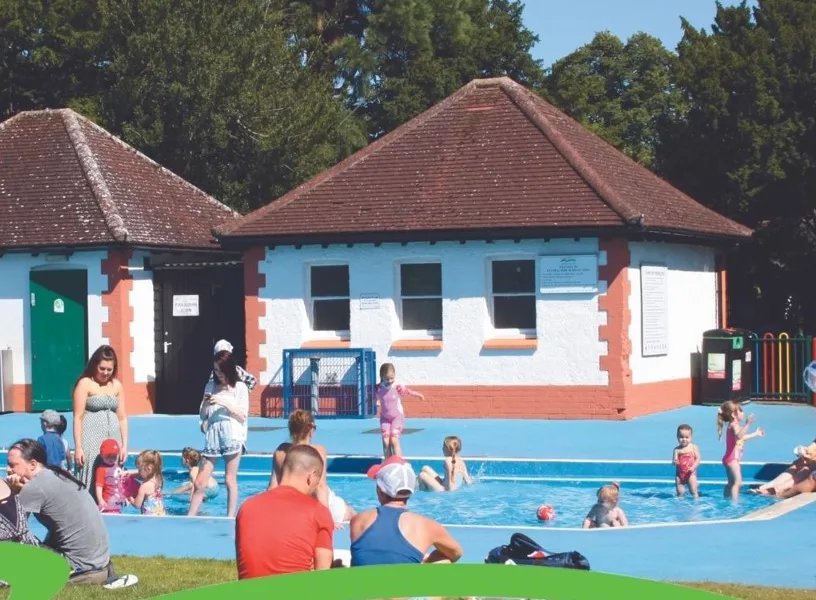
pixel 692 307
pixel 567 325
pixel 15 305
pixel 142 327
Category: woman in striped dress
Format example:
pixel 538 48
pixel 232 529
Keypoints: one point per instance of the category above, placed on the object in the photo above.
pixel 99 412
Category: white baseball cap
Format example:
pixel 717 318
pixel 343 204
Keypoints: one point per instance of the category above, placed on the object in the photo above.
pixel 222 345
pixel 395 477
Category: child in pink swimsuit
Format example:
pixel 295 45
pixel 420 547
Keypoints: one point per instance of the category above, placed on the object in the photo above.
pixel 392 416
pixel 735 437
pixel 686 459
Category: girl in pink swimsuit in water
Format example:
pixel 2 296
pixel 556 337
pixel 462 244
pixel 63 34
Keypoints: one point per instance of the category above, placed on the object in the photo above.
pixel 392 415
pixel 686 459
pixel 735 437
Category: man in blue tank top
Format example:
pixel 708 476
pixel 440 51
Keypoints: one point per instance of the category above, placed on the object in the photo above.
pixel 390 534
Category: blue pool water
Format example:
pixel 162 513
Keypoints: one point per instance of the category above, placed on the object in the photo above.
pixel 502 502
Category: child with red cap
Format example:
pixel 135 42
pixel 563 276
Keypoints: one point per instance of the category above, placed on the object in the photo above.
pixel 108 479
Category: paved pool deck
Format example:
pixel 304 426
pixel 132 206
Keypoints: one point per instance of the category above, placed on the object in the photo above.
pixel 647 438
pixel 772 552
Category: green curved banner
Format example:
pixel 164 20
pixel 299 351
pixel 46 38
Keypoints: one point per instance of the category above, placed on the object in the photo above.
pixel 38 574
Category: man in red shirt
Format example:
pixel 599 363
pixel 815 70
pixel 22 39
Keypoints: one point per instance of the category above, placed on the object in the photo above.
pixel 286 529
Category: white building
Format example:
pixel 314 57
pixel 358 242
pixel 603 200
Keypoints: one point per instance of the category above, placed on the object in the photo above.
pixel 508 261
pixel 100 245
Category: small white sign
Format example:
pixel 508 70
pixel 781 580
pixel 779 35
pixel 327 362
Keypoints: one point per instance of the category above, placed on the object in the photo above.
pixel 59 306
pixel 369 301
pixel 185 306
pixel 569 274
pixel 654 310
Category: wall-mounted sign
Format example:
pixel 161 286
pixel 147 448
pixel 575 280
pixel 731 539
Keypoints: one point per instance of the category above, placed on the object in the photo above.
pixel 369 301
pixel 654 310
pixel 569 274
pixel 185 306
pixel 59 306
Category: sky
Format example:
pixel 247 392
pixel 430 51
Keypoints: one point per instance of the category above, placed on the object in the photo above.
pixel 563 26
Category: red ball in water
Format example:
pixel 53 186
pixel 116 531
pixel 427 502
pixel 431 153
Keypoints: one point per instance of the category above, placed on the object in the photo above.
pixel 545 512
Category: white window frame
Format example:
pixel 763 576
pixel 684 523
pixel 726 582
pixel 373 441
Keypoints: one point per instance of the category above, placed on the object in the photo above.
pixel 419 334
pixel 341 335
pixel 510 333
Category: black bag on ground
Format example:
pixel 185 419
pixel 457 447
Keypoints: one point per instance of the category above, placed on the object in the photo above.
pixel 524 551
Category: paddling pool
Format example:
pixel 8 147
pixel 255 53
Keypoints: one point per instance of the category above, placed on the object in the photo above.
pixel 510 501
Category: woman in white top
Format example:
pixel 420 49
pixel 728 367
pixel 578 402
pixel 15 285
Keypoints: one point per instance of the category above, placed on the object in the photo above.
pixel 224 414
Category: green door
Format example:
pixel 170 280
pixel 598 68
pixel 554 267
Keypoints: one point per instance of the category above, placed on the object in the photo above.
pixel 59 333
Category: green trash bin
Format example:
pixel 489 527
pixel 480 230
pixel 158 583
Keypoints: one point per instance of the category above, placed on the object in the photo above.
pixel 727 365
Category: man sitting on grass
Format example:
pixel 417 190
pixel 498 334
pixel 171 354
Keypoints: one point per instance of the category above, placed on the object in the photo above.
pixel 286 529
pixel 63 505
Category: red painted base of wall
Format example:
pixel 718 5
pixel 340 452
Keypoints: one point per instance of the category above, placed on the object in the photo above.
pixel 139 398
pixel 514 402
pixel 20 398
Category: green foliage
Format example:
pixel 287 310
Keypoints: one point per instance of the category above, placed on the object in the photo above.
pixel 47 54
pixel 747 147
pixel 620 91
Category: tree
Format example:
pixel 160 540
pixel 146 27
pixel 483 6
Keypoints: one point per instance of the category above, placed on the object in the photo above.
pixel 396 58
pixel 620 91
pixel 747 148
pixel 221 93
pixel 47 54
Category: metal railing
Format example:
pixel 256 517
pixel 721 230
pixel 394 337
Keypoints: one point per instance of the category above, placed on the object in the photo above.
pixel 329 382
pixel 779 367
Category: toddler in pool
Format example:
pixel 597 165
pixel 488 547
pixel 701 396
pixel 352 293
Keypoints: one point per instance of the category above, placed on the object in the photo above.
pixel 736 434
pixel 606 512
pixel 108 479
pixel 456 471
pixel 149 499
pixel 392 415
pixel 191 458
pixel 686 459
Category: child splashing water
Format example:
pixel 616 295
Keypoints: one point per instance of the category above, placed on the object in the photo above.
pixel 606 512
pixel 735 437
pixel 686 459
pixel 149 498
pixel 191 458
pixel 456 471
pixel 392 415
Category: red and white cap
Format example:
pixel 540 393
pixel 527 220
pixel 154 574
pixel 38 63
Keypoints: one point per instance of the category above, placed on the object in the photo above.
pixel 109 447
pixel 395 477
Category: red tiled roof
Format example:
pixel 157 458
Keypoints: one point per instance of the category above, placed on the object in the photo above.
pixel 494 156
pixel 66 182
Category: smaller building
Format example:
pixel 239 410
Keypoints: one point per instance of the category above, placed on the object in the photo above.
pixel 508 261
pixel 101 245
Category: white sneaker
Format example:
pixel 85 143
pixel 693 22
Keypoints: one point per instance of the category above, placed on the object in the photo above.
pixel 122 582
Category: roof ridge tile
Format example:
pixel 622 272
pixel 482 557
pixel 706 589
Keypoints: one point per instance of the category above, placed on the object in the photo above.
pixel 94 176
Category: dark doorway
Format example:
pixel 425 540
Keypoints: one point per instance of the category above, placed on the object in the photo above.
pixel 195 307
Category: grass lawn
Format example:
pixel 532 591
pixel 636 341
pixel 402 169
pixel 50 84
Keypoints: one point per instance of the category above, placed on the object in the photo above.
pixel 159 576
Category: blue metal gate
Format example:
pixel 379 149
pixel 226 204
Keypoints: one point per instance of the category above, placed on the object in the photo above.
pixel 330 382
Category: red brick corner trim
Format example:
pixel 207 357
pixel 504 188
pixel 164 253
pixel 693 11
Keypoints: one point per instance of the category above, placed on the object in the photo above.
pixel 255 310
pixel 615 302
pixel 116 298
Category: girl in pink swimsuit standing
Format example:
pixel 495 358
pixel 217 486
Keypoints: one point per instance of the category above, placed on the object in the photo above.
pixel 735 436
pixel 392 416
